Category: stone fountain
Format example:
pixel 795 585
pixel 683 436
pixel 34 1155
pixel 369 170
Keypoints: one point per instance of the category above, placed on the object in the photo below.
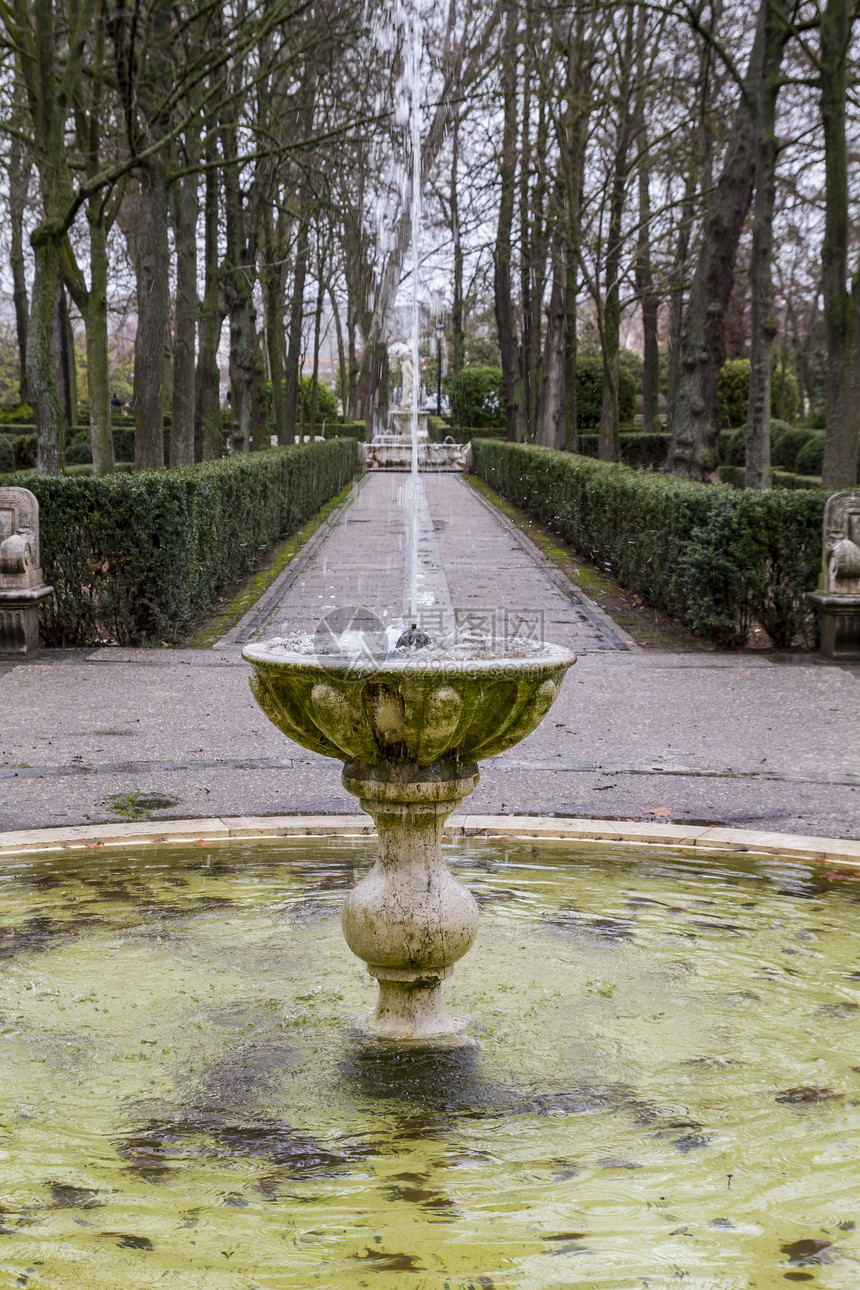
pixel 409 728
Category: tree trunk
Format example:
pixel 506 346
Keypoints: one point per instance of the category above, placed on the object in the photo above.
pixel 457 320
pixel 763 323
pixel 609 441
pixel 95 321
pixel 312 419
pixel 297 318
pixel 343 381
pixel 152 310
pixel 649 302
pixel 19 177
pixel 696 426
pixel 41 378
pixel 840 306
pixel 185 321
pixel 208 382
pixel 552 432
pixel 64 357
pixel 512 380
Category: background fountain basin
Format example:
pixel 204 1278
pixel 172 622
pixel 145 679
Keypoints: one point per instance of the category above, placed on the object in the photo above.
pixel 420 704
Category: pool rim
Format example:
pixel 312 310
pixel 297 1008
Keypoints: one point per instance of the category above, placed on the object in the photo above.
pixel 243 827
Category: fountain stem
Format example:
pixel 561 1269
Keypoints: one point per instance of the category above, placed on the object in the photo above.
pixel 409 919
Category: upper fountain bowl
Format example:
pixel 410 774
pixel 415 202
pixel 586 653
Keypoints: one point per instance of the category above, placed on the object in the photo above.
pixel 469 701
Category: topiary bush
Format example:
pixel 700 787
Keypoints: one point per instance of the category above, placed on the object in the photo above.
pixel 784 393
pixel 475 397
pixel 7 456
pixel 326 402
pixel 787 445
pixel 734 450
pixel 136 557
pixel 79 453
pixel 733 393
pixel 810 458
pixel 26 449
pixel 589 392
pixel 716 558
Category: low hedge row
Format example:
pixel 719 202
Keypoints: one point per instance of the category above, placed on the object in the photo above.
pixel 639 450
pixel 736 476
pixel 140 557
pixel 347 430
pixel 438 433
pixel 718 559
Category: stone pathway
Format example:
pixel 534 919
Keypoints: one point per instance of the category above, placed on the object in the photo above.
pixel 472 567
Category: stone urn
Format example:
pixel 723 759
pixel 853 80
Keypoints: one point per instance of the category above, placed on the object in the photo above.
pixel 409 728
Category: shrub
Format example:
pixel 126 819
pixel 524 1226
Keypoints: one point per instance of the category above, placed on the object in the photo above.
pixel 475 397
pixel 733 392
pixel 810 458
pixel 463 434
pixel 639 450
pixel 326 402
pixel 79 453
pixel 589 392
pixel 631 362
pixel 733 387
pixel 346 430
pixel 736 476
pixel 715 558
pixel 784 393
pixel 26 449
pixel 136 557
pixel 7 456
pixel 21 415
pixel 787 445
pixel 735 451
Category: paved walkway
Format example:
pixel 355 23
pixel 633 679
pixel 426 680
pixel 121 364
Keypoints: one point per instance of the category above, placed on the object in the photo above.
pixel 753 741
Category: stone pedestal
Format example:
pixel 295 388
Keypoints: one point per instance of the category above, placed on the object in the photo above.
pixel 838 596
pixel 21 587
pixel 409 919
pixel 839 623
pixel 19 620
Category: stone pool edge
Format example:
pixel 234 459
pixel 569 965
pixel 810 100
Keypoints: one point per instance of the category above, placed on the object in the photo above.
pixel 233 828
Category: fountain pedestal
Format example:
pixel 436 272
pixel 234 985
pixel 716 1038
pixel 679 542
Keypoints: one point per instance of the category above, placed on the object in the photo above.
pixel 409 728
pixel 410 919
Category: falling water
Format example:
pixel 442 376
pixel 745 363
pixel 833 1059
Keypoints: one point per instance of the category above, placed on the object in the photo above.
pixel 413 75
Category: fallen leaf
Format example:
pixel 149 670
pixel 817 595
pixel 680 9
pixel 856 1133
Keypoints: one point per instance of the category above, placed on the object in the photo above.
pixel 663 811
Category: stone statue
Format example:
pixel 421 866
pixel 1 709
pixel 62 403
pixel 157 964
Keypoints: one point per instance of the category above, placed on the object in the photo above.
pixel 838 596
pixel 21 586
pixel 841 572
pixel 407 377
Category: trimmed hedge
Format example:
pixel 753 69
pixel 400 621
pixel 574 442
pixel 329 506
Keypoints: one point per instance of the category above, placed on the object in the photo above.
pixel 462 434
pixel 642 451
pixel 716 558
pixel 736 476
pixel 589 392
pixel 475 395
pixel 140 557
pixel 347 430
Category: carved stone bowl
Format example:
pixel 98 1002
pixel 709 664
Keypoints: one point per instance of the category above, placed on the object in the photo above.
pixel 422 706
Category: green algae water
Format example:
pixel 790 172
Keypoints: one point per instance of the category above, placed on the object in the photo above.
pixel 666 1092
